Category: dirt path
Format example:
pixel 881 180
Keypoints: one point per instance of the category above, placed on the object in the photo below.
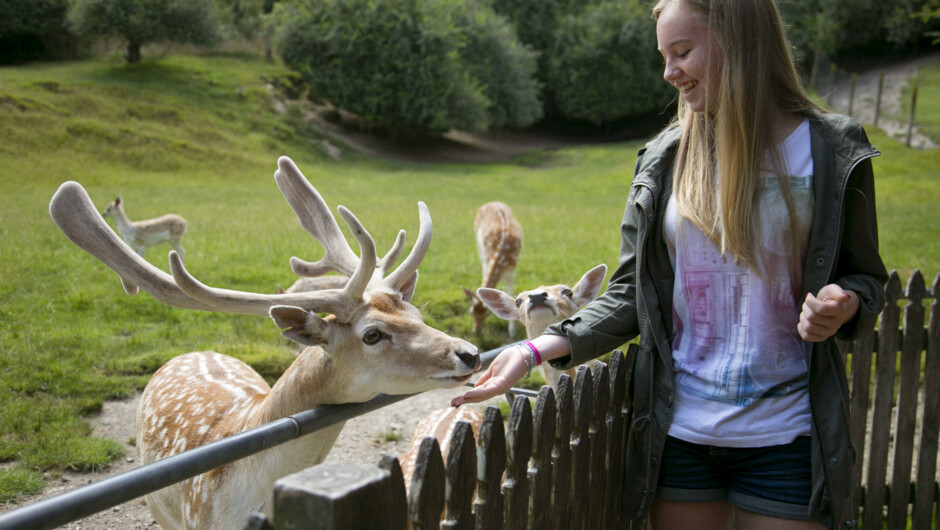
pixel 865 99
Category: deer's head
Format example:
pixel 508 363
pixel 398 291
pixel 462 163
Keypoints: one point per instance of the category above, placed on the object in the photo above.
pixel 545 305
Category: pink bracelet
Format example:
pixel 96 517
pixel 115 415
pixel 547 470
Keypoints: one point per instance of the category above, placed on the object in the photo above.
pixel 535 352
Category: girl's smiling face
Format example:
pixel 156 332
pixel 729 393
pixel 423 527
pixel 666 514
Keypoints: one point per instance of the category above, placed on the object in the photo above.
pixel 692 55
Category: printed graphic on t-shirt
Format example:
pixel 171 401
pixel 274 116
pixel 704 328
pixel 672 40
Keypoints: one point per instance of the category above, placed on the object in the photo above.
pixel 736 339
pixel 740 367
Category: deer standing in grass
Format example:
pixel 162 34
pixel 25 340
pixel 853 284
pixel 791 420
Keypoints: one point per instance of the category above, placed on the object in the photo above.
pixel 543 306
pixel 139 235
pixel 372 341
pixel 499 240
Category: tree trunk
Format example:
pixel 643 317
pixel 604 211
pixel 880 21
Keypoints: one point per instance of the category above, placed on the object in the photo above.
pixel 133 52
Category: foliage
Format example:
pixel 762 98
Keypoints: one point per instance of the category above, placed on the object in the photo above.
pixel 36 16
pixel 493 55
pixel 849 29
pixel 411 63
pixel 242 18
pixel 31 29
pixel 140 22
pixel 536 20
pixel 603 64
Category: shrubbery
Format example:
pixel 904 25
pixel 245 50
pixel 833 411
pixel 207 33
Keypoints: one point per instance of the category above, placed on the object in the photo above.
pixel 603 65
pixel 28 28
pixel 411 63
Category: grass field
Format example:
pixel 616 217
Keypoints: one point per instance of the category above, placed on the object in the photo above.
pixel 199 136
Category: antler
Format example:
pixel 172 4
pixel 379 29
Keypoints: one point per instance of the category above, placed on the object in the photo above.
pixel 75 214
pixel 313 214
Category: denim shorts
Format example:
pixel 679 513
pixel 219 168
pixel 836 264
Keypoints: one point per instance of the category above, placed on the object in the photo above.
pixel 774 480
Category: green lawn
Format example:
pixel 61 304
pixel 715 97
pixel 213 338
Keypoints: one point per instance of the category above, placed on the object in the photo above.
pixel 199 136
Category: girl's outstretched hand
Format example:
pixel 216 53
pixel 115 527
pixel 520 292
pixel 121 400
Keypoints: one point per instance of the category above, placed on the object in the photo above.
pixel 507 368
pixel 824 313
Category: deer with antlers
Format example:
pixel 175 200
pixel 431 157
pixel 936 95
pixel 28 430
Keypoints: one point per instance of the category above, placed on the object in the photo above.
pixel 543 306
pixel 371 341
pixel 499 240
pixel 139 235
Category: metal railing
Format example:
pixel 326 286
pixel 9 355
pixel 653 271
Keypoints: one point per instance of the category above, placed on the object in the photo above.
pixel 118 489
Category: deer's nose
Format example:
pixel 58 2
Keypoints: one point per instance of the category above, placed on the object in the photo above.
pixel 472 360
pixel 538 298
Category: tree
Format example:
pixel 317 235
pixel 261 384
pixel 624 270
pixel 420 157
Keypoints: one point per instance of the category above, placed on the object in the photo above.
pixel 140 22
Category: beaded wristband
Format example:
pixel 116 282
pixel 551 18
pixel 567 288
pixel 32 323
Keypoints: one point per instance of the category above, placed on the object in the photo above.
pixel 529 361
pixel 534 351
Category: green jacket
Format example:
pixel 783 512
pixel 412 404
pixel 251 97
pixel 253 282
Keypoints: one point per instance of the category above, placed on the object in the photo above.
pixel 638 301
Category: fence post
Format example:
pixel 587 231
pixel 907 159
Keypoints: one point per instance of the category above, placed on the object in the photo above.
pixel 881 84
pixel 561 453
pixel 426 498
pixel 540 468
pixel 331 497
pixel 491 462
pixel 518 451
pixel 852 93
pixel 460 479
pixel 910 118
pixel 926 487
pixel 581 449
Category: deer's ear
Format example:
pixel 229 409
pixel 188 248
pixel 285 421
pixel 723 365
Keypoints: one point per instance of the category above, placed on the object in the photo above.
pixel 303 327
pixel 408 289
pixel 500 303
pixel 589 285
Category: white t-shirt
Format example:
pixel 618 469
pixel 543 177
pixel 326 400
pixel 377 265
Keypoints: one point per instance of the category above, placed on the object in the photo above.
pixel 741 375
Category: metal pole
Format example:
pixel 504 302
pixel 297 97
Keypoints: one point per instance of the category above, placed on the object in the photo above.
pixel 112 491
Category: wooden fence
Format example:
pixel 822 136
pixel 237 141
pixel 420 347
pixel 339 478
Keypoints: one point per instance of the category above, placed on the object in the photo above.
pixel 894 373
pixel 547 469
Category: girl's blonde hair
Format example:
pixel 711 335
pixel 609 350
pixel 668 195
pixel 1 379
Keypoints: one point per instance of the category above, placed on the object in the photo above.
pixel 721 156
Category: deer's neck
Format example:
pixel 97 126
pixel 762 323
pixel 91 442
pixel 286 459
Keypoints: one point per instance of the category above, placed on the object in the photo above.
pixel 312 380
pixel 125 226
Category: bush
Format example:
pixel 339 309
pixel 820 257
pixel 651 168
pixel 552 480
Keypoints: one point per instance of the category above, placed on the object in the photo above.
pixel 506 68
pixel 31 30
pixel 411 63
pixel 603 65
pixel 141 22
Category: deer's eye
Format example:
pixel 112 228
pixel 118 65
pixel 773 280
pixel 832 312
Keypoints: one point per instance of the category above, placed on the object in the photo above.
pixel 372 336
pixel 518 302
pixel 567 292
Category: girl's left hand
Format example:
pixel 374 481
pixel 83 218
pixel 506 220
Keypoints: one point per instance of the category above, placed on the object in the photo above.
pixel 824 313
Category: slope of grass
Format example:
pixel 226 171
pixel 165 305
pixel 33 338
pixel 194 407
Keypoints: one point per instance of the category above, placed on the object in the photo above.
pixel 200 136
